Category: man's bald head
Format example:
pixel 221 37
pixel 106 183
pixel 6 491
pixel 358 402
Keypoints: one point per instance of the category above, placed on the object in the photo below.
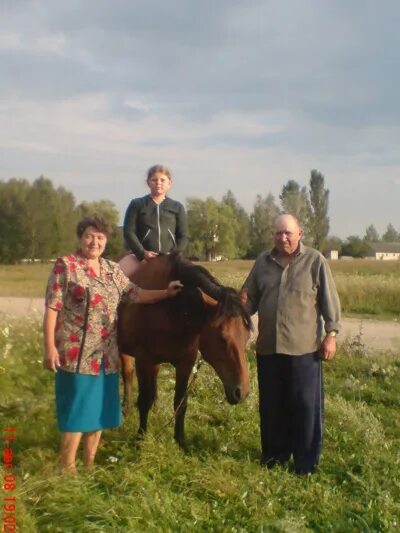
pixel 287 219
pixel 287 234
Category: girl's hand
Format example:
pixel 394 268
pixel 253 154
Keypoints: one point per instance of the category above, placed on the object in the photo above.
pixel 148 256
pixel 173 288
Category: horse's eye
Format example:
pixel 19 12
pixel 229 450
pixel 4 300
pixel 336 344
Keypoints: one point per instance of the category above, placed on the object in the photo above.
pixel 222 339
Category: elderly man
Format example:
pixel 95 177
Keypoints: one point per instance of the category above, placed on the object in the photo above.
pixel 292 288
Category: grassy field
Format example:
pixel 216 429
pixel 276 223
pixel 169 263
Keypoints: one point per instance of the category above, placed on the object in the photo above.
pixel 218 485
pixel 366 288
pixel 27 280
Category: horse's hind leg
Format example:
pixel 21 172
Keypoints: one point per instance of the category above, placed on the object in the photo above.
pixel 147 381
pixel 183 372
pixel 127 378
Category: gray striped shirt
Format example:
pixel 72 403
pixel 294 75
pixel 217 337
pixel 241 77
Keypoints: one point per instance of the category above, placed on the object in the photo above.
pixel 292 301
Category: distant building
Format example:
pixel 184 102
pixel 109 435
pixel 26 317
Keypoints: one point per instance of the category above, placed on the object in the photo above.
pixel 333 255
pixel 385 251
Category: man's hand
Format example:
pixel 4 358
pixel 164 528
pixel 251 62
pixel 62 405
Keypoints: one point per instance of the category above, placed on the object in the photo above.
pixel 173 288
pixel 51 359
pixel 148 256
pixel 328 348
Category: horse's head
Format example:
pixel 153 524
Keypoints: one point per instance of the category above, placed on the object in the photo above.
pixel 224 327
pixel 223 342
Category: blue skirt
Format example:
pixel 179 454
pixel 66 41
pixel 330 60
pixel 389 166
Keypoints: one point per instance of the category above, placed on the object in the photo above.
pixel 87 403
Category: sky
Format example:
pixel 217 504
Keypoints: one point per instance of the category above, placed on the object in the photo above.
pixel 230 94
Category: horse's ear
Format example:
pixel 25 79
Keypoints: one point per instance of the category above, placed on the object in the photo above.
pixel 243 296
pixel 207 299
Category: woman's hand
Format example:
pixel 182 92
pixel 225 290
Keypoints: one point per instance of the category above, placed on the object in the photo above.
pixel 147 296
pixel 51 359
pixel 173 288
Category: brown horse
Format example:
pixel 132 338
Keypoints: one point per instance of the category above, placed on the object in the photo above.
pixel 204 316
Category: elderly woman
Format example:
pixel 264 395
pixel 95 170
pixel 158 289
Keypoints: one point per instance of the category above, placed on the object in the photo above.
pixel 79 327
pixel 154 223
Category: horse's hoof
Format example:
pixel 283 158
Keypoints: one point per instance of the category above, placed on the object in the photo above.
pixel 140 434
pixel 139 439
pixel 182 445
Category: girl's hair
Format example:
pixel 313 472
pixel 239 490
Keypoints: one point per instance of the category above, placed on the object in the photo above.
pixel 158 168
pixel 95 221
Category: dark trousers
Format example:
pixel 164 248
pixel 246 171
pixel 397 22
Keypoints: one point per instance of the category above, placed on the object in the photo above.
pixel 291 409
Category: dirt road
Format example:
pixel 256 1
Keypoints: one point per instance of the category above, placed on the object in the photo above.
pixel 376 334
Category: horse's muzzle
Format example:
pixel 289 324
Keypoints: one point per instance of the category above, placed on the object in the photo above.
pixel 236 395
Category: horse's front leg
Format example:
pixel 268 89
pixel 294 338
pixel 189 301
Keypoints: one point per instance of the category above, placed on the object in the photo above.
pixel 183 371
pixel 127 370
pixel 147 381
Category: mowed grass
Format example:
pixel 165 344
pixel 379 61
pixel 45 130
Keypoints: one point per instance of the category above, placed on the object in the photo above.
pixel 218 485
pixel 28 280
pixel 366 288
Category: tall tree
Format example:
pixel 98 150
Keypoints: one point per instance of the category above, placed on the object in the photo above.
pixel 371 234
pixel 390 234
pixel 262 218
pixel 294 200
pixel 36 220
pixel 65 222
pixel 319 200
pixel 14 197
pixel 102 208
pixel 212 229
pixel 355 247
pixel 39 220
pixel 242 224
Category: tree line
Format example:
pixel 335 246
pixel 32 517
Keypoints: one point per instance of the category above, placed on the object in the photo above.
pixel 355 246
pixel 225 229
pixel 38 221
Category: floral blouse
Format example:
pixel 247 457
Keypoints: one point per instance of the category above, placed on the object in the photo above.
pixel 86 327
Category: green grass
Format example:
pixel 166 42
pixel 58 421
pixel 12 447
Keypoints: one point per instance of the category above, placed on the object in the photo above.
pixel 218 485
pixel 24 280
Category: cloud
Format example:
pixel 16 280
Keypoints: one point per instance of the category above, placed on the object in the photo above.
pixel 47 44
pixel 200 58
pixel 233 94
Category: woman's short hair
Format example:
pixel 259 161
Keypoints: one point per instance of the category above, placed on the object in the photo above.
pixel 158 168
pixel 96 222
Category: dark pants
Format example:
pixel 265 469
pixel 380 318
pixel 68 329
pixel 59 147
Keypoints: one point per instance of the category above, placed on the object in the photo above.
pixel 291 409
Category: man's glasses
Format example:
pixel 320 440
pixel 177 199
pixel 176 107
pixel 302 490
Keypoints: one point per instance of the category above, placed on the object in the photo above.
pixel 287 234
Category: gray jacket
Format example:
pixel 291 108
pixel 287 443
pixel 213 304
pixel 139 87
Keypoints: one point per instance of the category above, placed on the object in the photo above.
pixel 152 227
pixel 292 301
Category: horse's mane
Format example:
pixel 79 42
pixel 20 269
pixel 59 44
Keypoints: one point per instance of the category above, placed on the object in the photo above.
pixel 230 304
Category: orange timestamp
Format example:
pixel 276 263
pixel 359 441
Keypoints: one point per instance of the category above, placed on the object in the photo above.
pixel 9 480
